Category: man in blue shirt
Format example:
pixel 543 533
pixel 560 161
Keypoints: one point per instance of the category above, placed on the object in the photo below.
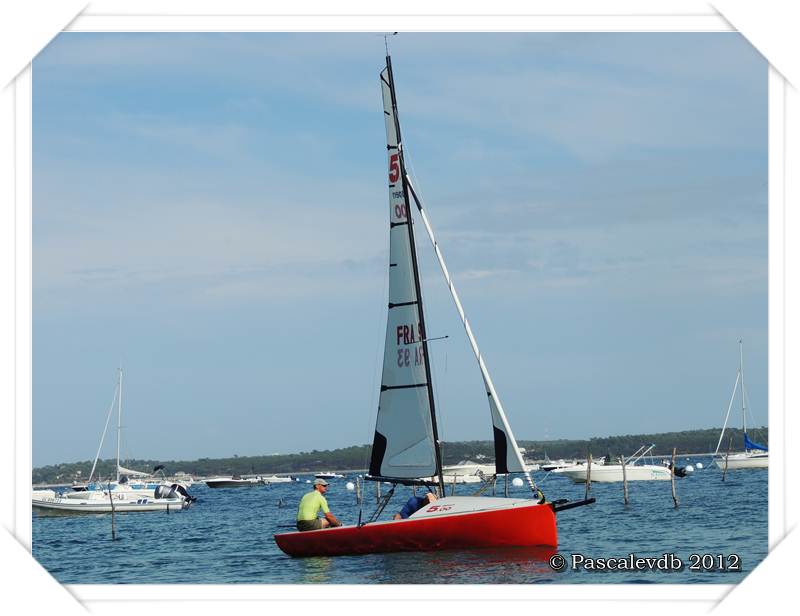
pixel 414 504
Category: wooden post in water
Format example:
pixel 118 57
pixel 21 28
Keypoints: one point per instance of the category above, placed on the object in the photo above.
pixel 113 512
pixel 672 478
pixel 727 453
pixel 494 485
pixel 506 492
pixel 624 481
pixel 358 490
pixel 453 488
pixel 588 475
pixel 377 492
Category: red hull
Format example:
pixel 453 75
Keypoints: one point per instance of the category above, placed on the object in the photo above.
pixel 514 527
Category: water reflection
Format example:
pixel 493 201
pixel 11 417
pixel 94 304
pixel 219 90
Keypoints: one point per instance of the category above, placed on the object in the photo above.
pixel 489 565
pixel 315 570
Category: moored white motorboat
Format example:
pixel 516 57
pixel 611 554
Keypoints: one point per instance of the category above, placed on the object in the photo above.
pixel 551 465
pixel 465 472
pixel 172 498
pixel 609 473
pixel 329 475
pixel 235 481
pixel 276 479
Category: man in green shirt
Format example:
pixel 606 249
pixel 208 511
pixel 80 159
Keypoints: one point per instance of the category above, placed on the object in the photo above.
pixel 310 505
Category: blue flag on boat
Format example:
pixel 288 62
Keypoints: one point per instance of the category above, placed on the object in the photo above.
pixel 748 444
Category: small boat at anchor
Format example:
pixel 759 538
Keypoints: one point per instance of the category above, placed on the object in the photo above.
pixel 609 473
pixel 754 455
pixel 329 475
pixel 235 481
pixel 144 493
pixel 276 479
pixel 406 445
pixel 164 498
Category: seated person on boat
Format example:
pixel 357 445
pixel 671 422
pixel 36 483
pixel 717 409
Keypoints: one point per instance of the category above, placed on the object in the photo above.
pixel 311 504
pixel 414 504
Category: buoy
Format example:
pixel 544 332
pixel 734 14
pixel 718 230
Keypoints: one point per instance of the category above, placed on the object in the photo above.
pixel 699 465
pixel 689 468
pixel 350 485
pixel 308 481
pixel 516 482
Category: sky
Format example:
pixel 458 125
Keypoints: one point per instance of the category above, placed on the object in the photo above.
pixel 209 212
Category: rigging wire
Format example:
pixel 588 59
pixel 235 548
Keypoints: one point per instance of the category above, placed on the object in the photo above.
pixel 437 393
pixel 417 193
pixel 749 411
pixel 105 429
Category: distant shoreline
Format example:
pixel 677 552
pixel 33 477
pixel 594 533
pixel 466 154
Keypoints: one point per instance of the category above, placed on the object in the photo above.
pixel 356 458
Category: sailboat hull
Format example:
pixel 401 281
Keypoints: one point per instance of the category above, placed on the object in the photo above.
pixel 742 460
pixel 449 523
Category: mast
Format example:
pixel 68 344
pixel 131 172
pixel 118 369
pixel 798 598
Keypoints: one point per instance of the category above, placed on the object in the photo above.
pixel 744 404
pixel 119 419
pixel 413 249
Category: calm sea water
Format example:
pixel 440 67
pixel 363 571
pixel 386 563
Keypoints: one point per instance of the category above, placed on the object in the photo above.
pixel 226 537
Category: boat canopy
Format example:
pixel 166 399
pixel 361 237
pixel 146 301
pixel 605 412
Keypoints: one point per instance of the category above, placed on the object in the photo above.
pixel 131 473
pixel 748 444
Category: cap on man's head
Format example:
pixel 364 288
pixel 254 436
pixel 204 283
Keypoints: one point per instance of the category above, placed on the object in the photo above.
pixel 320 482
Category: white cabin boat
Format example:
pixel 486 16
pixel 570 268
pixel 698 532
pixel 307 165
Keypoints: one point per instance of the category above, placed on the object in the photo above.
pixel 328 475
pixel 551 465
pixel 235 482
pixel 609 473
pixel 119 501
pixel 276 479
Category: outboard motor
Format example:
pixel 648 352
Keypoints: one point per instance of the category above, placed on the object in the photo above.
pixel 678 471
pixel 176 487
pixel 165 492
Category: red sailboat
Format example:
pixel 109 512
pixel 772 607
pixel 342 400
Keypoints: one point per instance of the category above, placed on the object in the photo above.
pixel 405 447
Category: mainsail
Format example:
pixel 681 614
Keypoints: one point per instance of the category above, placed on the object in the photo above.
pixel 405 445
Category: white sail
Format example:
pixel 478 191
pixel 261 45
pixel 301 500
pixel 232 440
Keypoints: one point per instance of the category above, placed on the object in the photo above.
pixel 404 444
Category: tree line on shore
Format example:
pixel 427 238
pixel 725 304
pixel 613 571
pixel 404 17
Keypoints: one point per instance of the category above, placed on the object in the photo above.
pixel 357 456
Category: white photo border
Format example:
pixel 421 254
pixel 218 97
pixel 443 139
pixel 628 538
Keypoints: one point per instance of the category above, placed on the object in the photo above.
pixel 128 16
